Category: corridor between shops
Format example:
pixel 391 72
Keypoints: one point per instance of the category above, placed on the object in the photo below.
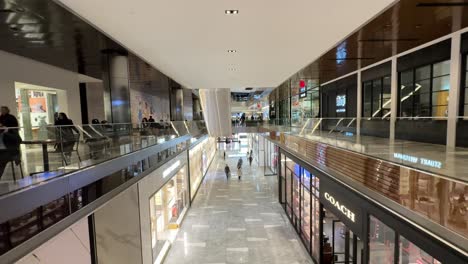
pixel 234 221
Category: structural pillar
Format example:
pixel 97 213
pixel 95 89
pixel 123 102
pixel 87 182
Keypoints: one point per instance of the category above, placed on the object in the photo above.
pixel 394 99
pixel 454 92
pixel 359 105
pixel 116 87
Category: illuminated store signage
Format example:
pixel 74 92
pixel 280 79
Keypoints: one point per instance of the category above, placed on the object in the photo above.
pixel 341 103
pixel 343 209
pixel 422 161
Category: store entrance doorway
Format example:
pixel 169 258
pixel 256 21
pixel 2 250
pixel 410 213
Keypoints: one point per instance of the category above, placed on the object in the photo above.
pixel 340 244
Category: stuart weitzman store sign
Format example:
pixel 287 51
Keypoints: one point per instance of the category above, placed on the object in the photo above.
pixel 342 208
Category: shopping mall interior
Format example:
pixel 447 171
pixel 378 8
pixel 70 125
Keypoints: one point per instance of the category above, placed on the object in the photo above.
pixel 222 132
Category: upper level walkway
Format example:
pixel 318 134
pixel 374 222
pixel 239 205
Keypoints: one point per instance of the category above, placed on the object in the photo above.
pixel 44 200
pixel 237 221
pixel 342 133
pixel 52 151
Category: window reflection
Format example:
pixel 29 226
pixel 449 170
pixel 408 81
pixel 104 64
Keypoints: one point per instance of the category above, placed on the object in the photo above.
pixel 381 243
pixel 410 253
pixel 425 95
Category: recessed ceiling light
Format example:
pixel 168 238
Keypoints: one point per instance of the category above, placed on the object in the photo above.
pixel 231 12
pixel 232 51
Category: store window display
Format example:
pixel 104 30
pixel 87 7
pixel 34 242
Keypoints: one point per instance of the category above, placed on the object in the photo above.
pixel 166 208
pixel 200 157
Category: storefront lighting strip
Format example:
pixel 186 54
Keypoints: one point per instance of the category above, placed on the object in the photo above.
pixel 171 168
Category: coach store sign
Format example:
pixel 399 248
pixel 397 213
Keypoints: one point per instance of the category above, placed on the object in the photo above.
pixel 339 205
pixel 343 203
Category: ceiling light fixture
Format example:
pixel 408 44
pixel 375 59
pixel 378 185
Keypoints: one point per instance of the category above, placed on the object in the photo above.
pixel 232 51
pixel 231 12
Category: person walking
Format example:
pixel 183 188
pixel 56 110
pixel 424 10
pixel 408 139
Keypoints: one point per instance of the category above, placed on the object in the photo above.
pixel 239 162
pixel 239 172
pixel 225 156
pixel 227 170
pixel 250 160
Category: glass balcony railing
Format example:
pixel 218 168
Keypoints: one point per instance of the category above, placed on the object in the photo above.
pixel 408 149
pixel 43 153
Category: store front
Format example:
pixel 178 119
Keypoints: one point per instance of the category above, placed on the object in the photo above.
pixel 271 158
pixel 336 225
pixel 200 156
pixel 36 107
pixel 167 207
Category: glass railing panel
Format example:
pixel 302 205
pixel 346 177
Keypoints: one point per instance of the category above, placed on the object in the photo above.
pixel 410 146
pixel 17 230
pixel 51 151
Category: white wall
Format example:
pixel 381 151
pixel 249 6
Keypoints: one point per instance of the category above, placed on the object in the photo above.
pixel 14 68
pixel 117 227
pixel 71 247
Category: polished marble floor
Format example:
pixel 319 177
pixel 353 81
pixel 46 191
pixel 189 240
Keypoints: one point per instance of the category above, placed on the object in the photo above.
pixel 234 221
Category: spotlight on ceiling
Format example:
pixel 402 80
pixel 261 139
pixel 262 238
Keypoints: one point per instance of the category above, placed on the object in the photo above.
pixel 231 12
pixel 232 51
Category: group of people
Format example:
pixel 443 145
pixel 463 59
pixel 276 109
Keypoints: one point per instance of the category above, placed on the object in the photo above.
pixel 150 122
pixel 10 138
pixel 227 170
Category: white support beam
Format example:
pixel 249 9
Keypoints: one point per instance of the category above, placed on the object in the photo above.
pixel 359 104
pixel 454 92
pixel 394 98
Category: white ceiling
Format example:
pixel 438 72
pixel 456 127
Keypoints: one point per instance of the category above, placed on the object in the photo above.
pixel 188 39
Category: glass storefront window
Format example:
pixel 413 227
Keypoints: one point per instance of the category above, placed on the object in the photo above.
pixel 315 223
pixel 166 208
pixel 296 196
pixel 427 94
pixel 410 253
pixel 288 191
pixel 376 96
pixel 305 217
pixel 306 179
pixel 200 155
pixel 381 243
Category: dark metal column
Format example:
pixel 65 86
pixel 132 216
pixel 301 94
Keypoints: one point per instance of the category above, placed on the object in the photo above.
pixel 84 104
pixel 116 87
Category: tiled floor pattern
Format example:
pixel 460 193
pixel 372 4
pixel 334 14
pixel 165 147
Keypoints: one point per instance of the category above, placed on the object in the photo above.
pixel 234 221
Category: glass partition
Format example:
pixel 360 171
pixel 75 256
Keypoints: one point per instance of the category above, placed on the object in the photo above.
pixel 381 242
pixel 52 151
pixel 410 253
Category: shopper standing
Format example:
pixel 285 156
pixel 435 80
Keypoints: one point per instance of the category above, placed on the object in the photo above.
pixel 67 134
pixel 250 160
pixel 225 156
pixel 10 139
pixel 227 170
